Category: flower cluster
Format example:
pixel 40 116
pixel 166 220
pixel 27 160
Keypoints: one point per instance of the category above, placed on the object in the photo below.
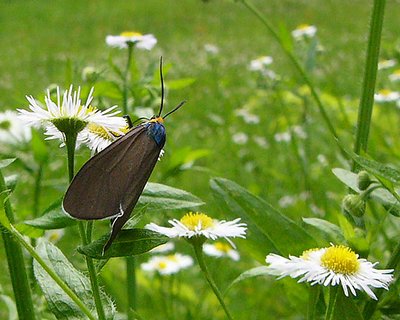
pixel 136 39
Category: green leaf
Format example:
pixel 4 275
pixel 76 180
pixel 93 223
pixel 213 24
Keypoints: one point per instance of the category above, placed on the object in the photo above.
pixel 161 197
pixel 381 196
pixel 179 83
pixel 329 231
pixel 6 162
pixel 29 231
pixel 285 235
pixel 345 308
pixel 129 242
pixel 4 221
pixel 11 181
pixel 58 301
pixel 10 304
pixel 252 273
pixel 52 218
pixel 378 169
pixel 39 148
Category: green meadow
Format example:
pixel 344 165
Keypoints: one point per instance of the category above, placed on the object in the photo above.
pixel 247 143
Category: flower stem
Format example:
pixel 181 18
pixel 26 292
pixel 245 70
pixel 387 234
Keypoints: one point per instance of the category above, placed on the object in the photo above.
pixel 16 265
pixel 131 285
pixel 333 295
pixel 296 64
pixel 125 80
pixel 314 293
pixel 367 97
pixel 70 141
pixel 52 274
pixel 198 249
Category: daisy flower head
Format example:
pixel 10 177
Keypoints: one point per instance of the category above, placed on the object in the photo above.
pixel 54 235
pixel 132 38
pixel 167 265
pixel 169 246
pixel 386 64
pixel 395 76
pixel 67 115
pixel 303 31
pixel 261 63
pixel 199 225
pixel 211 49
pixel 13 130
pixel 335 265
pixel 386 95
pixel 221 249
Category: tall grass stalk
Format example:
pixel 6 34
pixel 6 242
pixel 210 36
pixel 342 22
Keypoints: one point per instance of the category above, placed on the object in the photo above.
pixel 16 265
pixel 368 88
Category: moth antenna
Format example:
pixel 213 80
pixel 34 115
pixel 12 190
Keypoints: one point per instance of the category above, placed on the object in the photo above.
pixel 162 87
pixel 139 119
pixel 176 108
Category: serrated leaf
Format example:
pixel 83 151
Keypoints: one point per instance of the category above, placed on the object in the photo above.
pixel 59 303
pixel 129 242
pixel 6 162
pixel 331 232
pixel 10 304
pixel 285 235
pixel 381 196
pixel 161 197
pixel 252 273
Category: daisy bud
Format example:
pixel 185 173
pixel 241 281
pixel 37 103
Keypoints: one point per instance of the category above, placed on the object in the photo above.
pixel 354 205
pixel 364 180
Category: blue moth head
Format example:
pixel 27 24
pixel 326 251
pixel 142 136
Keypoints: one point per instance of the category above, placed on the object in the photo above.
pixel 156 130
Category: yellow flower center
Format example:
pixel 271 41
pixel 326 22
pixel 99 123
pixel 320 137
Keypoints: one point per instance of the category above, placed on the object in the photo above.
pixel 340 259
pixel 303 26
pixel 162 265
pixel 396 72
pixel 129 34
pixel 223 247
pixel 306 254
pixel 192 220
pixel 99 131
pixel 385 92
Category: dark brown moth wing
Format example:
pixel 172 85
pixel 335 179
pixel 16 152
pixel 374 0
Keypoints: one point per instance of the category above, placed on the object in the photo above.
pixel 110 183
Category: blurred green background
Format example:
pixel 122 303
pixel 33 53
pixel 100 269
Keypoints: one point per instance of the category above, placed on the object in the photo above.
pixel 42 41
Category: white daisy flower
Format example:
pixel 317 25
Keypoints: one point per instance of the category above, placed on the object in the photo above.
pixel 54 235
pixel 386 64
pixel 68 114
pixel 282 136
pixel 261 141
pixel 336 265
pixel 261 63
pixel 90 74
pixel 395 76
pixel 220 249
pixel 12 129
pixel 200 225
pixel 211 49
pixel 304 31
pixel 287 201
pixel 386 95
pixel 247 116
pixel 167 265
pixel 169 246
pixel 240 138
pixel 138 40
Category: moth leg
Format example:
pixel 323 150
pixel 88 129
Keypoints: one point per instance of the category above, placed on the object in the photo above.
pixel 128 121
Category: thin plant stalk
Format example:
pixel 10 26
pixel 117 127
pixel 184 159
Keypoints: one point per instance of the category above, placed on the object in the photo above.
pixel 296 64
pixel 131 285
pixel 70 141
pixel 125 89
pixel 314 292
pixel 333 295
pixel 52 274
pixel 198 249
pixel 16 265
pixel 371 66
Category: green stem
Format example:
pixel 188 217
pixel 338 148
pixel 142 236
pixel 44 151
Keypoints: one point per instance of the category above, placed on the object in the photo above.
pixel 131 285
pixel 314 293
pixel 333 295
pixel 296 64
pixel 371 305
pixel 16 265
pixel 70 141
pixel 367 97
pixel 198 249
pixel 125 80
pixel 37 190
